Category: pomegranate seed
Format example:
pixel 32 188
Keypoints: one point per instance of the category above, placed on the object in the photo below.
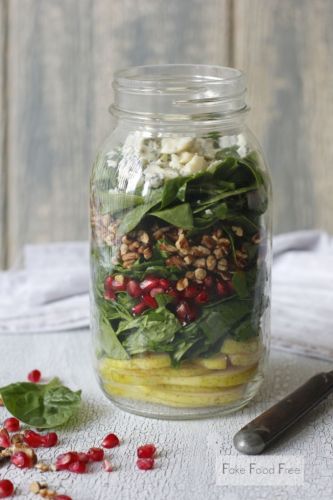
pixel 150 301
pixel 155 291
pixel 65 459
pixel 108 283
pixel 12 424
pixel 50 439
pixel 110 441
pixel 4 438
pixel 62 497
pixel 173 293
pixel 191 291
pixel 145 463
pixel 202 297
pixel 149 283
pixel 108 291
pixel 6 488
pixel 139 308
pixel 133 288
pixel 21 460
pixel 209 281
pixel 164 283
pixel 83 457
pixel 95 454
pixel 33 439
pixel 77 467
pixel 146 451
pixel 109 295
pixel 34 376
pixel 119 286
pixel 107 466
pixel 222 288
pixel 185 313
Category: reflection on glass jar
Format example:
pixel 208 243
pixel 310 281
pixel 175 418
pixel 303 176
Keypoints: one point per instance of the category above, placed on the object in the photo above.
pixel 180 245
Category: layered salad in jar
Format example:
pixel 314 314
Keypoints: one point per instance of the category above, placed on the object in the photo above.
pixel 179 280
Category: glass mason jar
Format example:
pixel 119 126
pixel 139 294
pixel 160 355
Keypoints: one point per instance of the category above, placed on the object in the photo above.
pixel 180 245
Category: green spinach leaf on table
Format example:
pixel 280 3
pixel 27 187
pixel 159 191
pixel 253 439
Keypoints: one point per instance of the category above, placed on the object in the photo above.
pixel 41 405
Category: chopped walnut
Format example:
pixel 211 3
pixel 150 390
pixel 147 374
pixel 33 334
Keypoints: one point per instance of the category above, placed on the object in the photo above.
pixel 238 230
pixel 211 263
pixel 200 274
pixel 175 260
pixel 200 263
pixel 208 241
pixel 182 284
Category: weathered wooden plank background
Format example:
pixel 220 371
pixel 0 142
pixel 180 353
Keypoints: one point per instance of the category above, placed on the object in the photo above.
pixel 56 67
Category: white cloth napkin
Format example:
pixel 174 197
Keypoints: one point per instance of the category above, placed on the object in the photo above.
pixel 50 293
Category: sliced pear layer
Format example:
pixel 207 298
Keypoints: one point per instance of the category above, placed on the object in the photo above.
pixel 216 378
pixel 146 362
pixel 231 346
pixel 217 362
pixel 160 395
pixel 244 359
pixel 185 370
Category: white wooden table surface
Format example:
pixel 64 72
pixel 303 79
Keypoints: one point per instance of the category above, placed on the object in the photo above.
pixel 185 468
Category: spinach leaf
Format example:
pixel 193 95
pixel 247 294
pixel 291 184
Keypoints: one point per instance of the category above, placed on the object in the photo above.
pixel 40 405
pixel 180 215
pixel 132 218
pixel 171 189
pixel 110 342
pixel 240 284
pixel 155 332
pixel 214 199
pixel 113 202
pixel 224 153
pixel 245 331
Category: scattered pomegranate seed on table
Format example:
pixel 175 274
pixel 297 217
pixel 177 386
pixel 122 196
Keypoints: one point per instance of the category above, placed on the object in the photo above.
pixel 110 441
pixel 21 460
pixel 34 376
pixel 146 451
pixel 12 424
pixel 83 457
pixel 107 466
pixel 50 439
pixel 35 440
pixel 65 459
pixel 77 467
pixel 32 438
pixel 96 454
pixel 4 438
pixel 145 463
pixel 6 488
pixel 62 497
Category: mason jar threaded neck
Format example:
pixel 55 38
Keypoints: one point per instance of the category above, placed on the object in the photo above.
pixel 179 92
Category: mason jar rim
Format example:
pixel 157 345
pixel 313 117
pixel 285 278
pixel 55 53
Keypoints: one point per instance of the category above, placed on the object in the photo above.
pixel 179 90
pixel 173 74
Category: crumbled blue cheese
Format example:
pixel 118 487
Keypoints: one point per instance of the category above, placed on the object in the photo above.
pixel 195 165
pixel 176 145
pixel 153 159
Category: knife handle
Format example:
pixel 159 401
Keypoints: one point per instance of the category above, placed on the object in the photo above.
pixel 267 427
